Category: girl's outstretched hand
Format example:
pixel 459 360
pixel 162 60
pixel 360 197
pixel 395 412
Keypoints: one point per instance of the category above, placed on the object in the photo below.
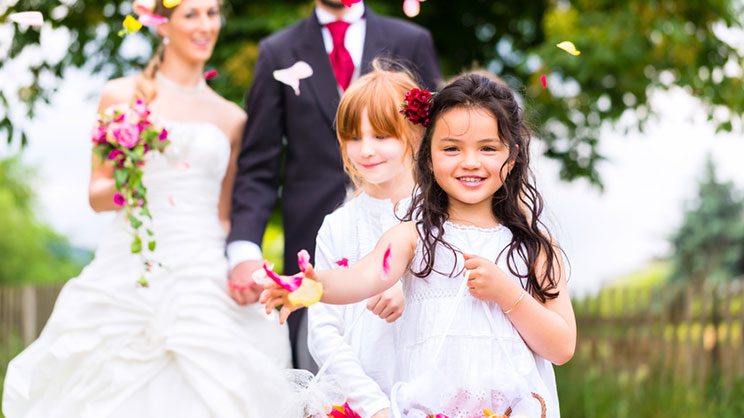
pixel 484 280
pixel 275 295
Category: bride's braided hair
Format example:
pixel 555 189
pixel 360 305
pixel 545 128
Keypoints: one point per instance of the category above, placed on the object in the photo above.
pixel 517 205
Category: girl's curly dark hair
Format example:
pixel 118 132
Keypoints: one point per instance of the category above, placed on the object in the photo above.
pixel 517 205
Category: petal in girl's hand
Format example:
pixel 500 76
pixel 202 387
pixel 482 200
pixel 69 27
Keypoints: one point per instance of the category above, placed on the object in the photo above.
pixel 290 285
pixel 303 259
pixel 260 277
pixel 386 264
pixel 344 262
pixel 307 294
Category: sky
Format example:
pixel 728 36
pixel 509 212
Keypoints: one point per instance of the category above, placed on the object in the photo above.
pixel 649 177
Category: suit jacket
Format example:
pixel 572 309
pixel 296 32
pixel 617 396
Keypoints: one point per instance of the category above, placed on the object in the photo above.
pixel 289 143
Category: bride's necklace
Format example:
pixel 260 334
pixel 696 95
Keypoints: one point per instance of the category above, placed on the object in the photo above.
pixel 180 87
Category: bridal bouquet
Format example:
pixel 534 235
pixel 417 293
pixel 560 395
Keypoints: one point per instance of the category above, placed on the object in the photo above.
pixel 123 136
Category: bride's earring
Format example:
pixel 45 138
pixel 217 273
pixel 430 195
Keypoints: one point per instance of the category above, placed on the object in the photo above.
pixel 166 40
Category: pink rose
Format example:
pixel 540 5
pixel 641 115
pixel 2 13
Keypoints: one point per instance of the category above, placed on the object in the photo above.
pixel 131 117
pixel 116 154
pixel 119 199
pixel 127 135
pixel 98 134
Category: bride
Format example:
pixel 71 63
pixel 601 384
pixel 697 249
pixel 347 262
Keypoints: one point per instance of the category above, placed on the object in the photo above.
pixel 180 347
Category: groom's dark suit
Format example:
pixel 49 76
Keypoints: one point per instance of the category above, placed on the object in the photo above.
pixel 289 144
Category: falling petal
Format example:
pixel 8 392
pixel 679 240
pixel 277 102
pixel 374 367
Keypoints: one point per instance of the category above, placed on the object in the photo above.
pixel 569 47
pixel 152 20
pixel 386 264
pixel 307 294
pixel 411 8
pixel 183 166
pixel 27 18
pixel 143 7
pixel 349 3
pixel 210 74
pixel 344 262
pixel 291 76
pixel 296 281
pixel 303 260
pixel 544 81
pixel 172 200
pixel 131 25
pixel 171 3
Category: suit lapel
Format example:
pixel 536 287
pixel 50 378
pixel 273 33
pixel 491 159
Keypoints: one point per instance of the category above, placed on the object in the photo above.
pixel 374 40
pixel 323 82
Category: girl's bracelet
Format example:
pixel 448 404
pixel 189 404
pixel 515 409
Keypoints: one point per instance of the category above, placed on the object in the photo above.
pixel 516 303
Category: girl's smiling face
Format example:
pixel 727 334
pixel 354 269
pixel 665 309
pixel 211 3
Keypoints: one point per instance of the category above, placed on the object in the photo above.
pixel 378 157
pixel 468 159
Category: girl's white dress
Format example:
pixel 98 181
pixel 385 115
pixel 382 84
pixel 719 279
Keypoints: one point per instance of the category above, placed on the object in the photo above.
pixel 365 360
pixel 180 348
pixel 483 362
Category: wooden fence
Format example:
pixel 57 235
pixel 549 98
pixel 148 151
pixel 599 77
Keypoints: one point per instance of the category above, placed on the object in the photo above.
pixel 669 332
pixel 689 332
pixel 23 312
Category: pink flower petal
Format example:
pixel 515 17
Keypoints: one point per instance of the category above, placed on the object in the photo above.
pixel 152 20
pixel 27 18
pixel 411 8
pixel 544 81
pixel 290 286
pixel 210 74
pixel 344 262
pixel 386 264
pixel 172 200
pixel 291 76
pixel 183 166
pixel 303 260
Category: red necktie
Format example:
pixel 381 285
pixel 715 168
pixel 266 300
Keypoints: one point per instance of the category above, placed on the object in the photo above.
pixel 343 66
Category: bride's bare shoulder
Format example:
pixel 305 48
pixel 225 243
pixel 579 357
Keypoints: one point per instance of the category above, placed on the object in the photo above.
pixel 232 117
pixel 117 91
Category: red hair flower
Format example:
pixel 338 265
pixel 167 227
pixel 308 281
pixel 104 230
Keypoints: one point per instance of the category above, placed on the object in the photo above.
pixel 416 106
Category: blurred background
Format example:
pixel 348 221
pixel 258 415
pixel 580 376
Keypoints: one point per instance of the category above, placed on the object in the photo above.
pixel 638 151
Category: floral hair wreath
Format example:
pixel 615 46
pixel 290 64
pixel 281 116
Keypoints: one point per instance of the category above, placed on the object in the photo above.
pixel 416 106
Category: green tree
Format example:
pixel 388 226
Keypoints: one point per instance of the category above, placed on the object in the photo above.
pixel 31 252
pixel 629 48
pixel 709 244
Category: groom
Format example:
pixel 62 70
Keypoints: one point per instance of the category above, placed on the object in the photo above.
pixel 289 142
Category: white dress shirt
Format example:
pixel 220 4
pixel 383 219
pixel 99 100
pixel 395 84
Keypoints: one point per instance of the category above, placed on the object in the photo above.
pixel 240 251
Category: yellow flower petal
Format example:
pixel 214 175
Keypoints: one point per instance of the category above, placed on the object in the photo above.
pixel 488 413
pixel 131 24
pixel 569 47
pixel 307 294
pixel 171 3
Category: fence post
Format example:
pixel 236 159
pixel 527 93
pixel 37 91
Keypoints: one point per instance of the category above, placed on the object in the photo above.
pixel 28 314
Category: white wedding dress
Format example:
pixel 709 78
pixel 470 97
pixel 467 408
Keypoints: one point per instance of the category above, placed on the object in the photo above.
pixel 179 348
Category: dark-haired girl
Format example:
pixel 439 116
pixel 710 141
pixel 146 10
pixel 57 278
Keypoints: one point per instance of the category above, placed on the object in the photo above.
pixel 474 224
